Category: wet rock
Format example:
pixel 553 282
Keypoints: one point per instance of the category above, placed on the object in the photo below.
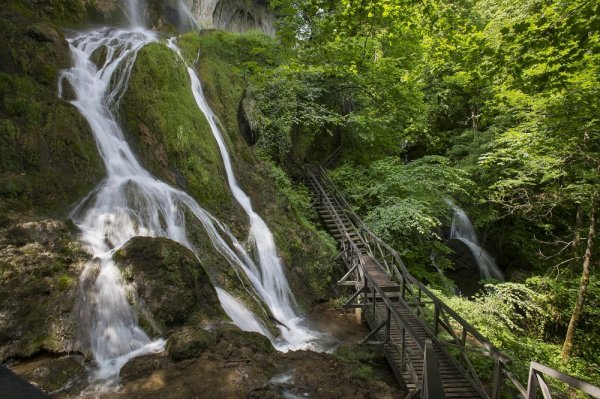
pixel 188 342
pixel 247 371
pixel 48 157
pixel 40 262
pixel 54 375
pixel 172 286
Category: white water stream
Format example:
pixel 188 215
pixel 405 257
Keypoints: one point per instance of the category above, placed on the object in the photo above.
pixel 269 280
pixel 131 202
pixel 134 11
pixel 462 229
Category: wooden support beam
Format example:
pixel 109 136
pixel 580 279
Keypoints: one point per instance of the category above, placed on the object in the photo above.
pixel 373 332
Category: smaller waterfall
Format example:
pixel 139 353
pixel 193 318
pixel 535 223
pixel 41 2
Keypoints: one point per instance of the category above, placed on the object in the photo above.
pixel 462 230
pixel 135 16
pixel 186 17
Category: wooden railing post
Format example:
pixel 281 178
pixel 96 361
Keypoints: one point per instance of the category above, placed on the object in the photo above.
pixel 432 387
pixel 402 347
pixel 373 302
pixel 388 327
pixel 497 383
pixel 531 384
pixel 436 315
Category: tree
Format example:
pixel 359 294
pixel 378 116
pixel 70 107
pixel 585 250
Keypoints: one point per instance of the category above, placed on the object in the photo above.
pixel 585 280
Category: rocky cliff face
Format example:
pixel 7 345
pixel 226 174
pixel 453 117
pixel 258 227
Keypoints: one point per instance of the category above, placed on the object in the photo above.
pixel 230 15
pixel 234 15
pixel 181 15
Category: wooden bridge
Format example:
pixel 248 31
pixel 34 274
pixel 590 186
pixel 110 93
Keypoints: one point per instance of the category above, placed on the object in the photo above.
pixel 431 349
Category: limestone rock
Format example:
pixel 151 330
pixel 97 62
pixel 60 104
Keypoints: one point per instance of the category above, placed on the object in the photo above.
pixel 230 15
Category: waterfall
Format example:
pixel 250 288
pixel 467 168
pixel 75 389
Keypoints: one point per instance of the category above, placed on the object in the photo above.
pixel 131 202
pixel 271 281
pixel 135 17
pixel 186 15
pixel 462 230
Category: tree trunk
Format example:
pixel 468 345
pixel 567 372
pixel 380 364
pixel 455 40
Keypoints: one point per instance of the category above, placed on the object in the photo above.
pixel 585 280
pixel 578 224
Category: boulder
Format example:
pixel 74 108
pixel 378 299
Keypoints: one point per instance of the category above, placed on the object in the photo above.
pixel 188 342
pixel 40 261
pixel 172 287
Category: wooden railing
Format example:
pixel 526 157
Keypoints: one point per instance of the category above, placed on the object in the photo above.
pixel 370 290
pixel 537 382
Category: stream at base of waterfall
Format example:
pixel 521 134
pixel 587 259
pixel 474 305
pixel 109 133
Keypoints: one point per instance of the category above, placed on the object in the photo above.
pixel 131 202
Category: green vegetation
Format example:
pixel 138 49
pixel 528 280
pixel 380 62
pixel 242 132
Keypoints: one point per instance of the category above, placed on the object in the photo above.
pixel 42 138
pixel 492 105
pixel 360 357
pixel 172 137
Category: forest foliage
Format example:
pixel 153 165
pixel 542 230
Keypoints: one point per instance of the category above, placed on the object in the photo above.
pixel 489 104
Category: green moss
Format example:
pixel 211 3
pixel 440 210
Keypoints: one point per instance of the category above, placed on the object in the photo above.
pixel 70 13
pixel 360 357
pixel 48 157
pixel 64 282
pixel 227 64
pixel 172 137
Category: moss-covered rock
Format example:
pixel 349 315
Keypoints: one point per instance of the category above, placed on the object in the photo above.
pixel 188 342
pixel 172 287
pixel 48 157
pixel 40 262
pixel 72 13
pixel 171 136
pixel 54 374
pixel 226 65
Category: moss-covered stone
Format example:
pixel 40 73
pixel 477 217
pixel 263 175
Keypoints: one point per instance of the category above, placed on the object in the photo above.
pixel 71 13
pixel 173 289
pixel 226 65
pixel 48 157
pixel 40 261
pixel 171 136
pixel 188 342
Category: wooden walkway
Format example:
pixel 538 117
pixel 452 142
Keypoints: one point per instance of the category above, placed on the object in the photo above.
pixel 431 349
pixel 404 336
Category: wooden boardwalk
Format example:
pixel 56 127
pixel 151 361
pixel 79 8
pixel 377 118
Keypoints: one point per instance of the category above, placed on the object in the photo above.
pixel 403 337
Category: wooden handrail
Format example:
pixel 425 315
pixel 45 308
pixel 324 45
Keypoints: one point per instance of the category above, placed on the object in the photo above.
pixel 536 380
pixel 390 261
pixel 404 271
pixel 329 160
pixel 411 298
pixel 432 383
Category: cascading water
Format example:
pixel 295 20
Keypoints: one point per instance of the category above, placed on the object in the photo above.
pixel 133 9
pixel 131 202
pixel 185 15
pixel 462 230
pixel 272 282
pixel 113 331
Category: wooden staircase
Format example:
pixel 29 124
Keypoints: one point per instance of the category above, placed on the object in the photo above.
pixel 409 335
pixel 431 349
